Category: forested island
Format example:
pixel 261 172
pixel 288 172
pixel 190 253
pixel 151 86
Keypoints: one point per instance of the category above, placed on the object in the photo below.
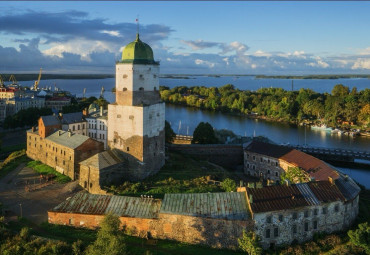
pixel 318 76
pixel 341 107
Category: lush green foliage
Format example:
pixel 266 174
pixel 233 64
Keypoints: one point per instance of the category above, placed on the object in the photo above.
pixel 340 107
pixel 249 242
pixel 80 105
pixel 12 161
pixel 169 133
pixel 294 175
pixel 204 134
pixel 110 239
pixel 228 185
pixel 45 169
pixel 361 236
pixel 26 117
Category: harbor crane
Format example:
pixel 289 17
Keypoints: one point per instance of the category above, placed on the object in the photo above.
pixel 1 81
pixel 36 85
pixel 102 91
pixel 13 79
pixel 84 92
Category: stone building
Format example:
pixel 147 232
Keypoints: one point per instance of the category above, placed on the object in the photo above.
pixel 102 169
pixel 62 150
pixel 269 161
pixel 213 219
pixel 75 122
pixel 97 123
pixel 136 119
pixel 283 214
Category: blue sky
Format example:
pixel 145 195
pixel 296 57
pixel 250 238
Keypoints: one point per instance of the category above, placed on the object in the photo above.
pixel 188 37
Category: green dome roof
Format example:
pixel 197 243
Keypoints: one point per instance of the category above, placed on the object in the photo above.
pixel 138 52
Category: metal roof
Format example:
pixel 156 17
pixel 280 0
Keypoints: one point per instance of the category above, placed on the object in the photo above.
pixel 85 203
pixel 70 118
pixel 226 205
pixel 347 187
pixel 103 159
pixel 310 198
pixel 63 138
pixel 50 120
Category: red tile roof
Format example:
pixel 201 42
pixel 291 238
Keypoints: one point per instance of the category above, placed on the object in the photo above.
pixel 326 191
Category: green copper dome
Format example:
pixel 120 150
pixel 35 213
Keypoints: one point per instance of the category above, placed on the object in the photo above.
pixel 138 52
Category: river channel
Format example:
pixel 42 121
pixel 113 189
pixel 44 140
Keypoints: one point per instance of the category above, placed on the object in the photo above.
pixel 184 119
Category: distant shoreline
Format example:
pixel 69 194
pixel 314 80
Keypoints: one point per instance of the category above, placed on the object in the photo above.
pixel 319 77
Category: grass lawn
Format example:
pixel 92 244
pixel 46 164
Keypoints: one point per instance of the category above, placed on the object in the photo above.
pixel 12 162
pixel 181 174
pixel 45 169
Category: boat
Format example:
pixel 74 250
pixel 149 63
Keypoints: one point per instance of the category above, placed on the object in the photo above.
pixel 322 127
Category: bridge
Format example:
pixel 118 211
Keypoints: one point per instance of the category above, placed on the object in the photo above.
pixel 333 153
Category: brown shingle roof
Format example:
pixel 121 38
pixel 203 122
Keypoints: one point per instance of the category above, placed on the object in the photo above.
pixel 282 197
pixel 313 166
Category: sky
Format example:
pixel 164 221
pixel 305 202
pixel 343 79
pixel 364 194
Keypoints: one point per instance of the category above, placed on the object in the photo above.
pixel 189 37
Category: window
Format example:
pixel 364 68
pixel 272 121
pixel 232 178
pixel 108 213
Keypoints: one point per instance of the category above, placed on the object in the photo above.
pixel 247 165
pixel 141 89
pixel 83 126
pixel 276 163
pixel 295 216
pixel 268 161
pixel 254 158
pixel 268 172
pixel 294 229
pixel 324 210
pixel 315 224
pixel 128 148
pixel 306 226
pixel 315 212
pixel 268 219
pixel 276 232
pixel 261 159
pixel 306 214
pixel 254 167
pixel 90 185
pixel 85 184
pixel 336 208
pixel 268 233
pixel 70 222
pixel 73 128
pixel 64 162
pixel 78 127
pixel 247 155
pixel 281 218
pixel 277 174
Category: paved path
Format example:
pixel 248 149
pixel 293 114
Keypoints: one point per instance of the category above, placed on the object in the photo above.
pixel 32 205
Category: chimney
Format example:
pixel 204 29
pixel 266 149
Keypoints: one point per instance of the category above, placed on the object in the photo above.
pixel 85 112
pixel 287 182
pixel 59 132
pixel 33 129
pixel 346 177
pixel 330 180
pixel 250 198
pixel 101 110
pixel 69 133
pixel 60 115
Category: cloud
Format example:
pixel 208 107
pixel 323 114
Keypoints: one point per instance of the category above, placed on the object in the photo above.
pixel 200 44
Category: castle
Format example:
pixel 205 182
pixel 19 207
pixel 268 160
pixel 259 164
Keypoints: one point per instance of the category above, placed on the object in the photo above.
pixel 324 201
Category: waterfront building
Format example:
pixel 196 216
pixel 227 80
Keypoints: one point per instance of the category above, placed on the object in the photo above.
pixel 136 119
pixel 15 104
pixel 6 93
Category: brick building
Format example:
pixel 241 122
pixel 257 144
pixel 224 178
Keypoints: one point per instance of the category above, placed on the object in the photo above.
pixel 269 161
pixel 62 150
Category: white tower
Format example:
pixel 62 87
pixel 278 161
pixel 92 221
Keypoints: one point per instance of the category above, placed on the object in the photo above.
pixel 136 119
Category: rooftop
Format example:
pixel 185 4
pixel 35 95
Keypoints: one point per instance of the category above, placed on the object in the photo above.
pixel 268 149
pixel 70 118
pixel 67 139
pixel 85 203
pixel 225 205
pixel 104 159
pixel 283 197
pixel 50 120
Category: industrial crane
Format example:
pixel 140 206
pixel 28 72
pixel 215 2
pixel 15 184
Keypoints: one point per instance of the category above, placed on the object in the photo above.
pixel 1 81
pixel 13 79
pixel 36 85
pixel 102 91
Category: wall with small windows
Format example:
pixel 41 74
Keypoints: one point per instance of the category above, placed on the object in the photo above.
pixel 300 224
pixel 259 165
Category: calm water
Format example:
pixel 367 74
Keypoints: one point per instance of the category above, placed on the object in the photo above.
pixel 278 132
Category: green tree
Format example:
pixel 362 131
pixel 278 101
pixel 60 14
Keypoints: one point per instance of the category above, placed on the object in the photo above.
pixel 294 175
pixel 110 239
pixel 228 185
pixel 249 242
pixel 361 236
pixel 204 134
pixel 340 90
pixel 168 132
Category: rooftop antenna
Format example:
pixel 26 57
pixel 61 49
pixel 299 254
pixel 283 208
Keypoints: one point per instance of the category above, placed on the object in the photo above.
pixel 137 24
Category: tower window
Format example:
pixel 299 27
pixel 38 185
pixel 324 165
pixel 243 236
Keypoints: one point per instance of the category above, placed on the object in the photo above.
pixel 124 89
pixel 124 76
pixel 155 88
pixel 141 76
pixel 128 148
pixel 141 89
pixel 154 76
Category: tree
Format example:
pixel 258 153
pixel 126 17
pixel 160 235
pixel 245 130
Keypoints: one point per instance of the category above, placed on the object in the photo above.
pixel 168 132
pixel 228 185
pixel 204 134
pixel 249 242
pixel 294 175
pixel 340 90
pixel 110 239
pixel 361 236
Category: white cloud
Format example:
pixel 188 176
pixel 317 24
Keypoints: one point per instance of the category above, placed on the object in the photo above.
pixel 112 33
pixel 361 64
pixel 204 62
